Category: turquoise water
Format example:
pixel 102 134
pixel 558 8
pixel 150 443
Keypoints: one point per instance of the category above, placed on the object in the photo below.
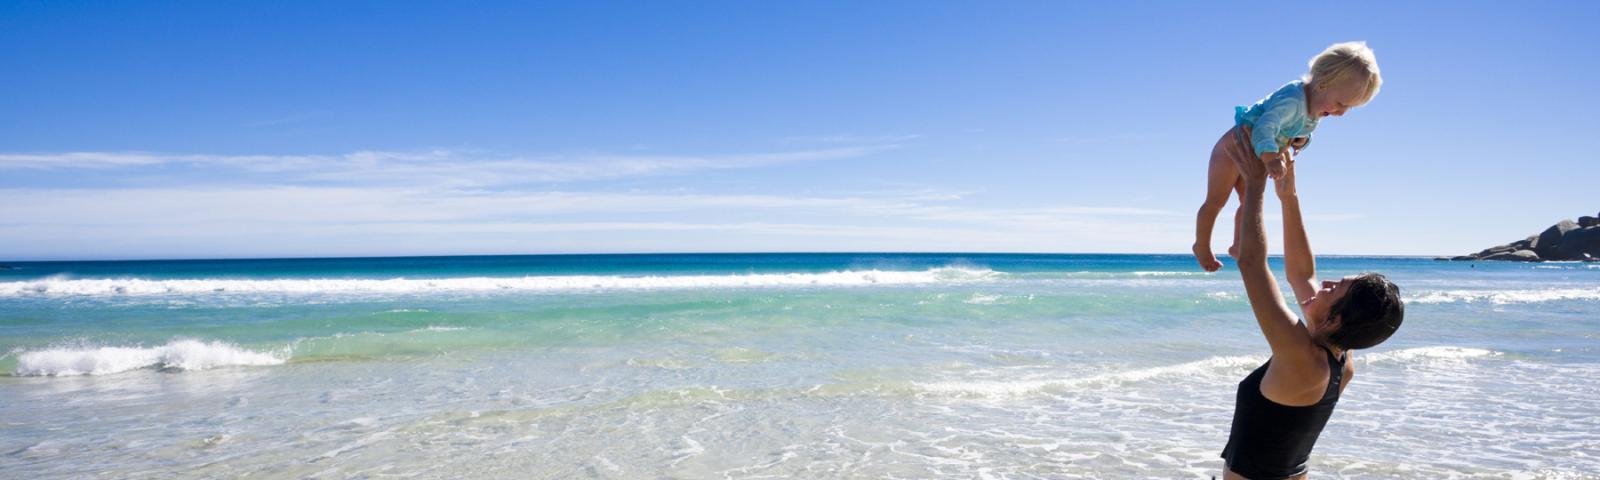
pixel 760 366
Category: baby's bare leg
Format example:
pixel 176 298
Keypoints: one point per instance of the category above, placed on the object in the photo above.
pixel 1238 221
pixel 1221 178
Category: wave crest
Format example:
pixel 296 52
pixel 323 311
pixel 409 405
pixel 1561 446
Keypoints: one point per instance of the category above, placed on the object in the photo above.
pixel 137 286
pixel 1425 354
pixel 1022 387
pixel 1219 365
pixel 1502 297
pixel 177 355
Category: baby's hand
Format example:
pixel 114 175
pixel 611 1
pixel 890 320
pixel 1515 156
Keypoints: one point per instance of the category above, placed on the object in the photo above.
pixel 1276 168
pixel 1298 143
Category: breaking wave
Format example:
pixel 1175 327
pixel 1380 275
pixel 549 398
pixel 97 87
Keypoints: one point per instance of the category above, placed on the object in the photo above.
pixel 175 355
pixel 137 286
pixel 1022 387
pixel 1213 366
pixel 1501 297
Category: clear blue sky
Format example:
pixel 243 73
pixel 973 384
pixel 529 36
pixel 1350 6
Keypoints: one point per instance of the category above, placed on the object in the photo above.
pixel 244 129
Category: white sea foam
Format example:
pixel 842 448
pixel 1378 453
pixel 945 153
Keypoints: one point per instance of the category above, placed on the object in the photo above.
pixel 1220 365
pixel 1022 387
pixel 178 355
pixel 1501 297
pixel 1173 274
pixel 981 299
pixel 136 286
pixel 1425 354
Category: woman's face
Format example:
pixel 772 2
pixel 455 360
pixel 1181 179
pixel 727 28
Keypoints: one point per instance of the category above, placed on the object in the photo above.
pixel 1320 306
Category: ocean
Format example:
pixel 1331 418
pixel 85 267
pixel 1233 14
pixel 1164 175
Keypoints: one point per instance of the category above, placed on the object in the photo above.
pixel 734 366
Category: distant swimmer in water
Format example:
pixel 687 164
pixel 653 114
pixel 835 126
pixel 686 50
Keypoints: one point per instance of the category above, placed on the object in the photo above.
pixel 1275 129
pixel 1281 407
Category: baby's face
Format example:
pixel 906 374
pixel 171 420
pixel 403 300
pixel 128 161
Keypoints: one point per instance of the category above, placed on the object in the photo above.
pixel 1337 98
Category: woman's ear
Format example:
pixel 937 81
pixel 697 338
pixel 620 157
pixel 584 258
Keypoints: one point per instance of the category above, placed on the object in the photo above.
pixel 1331 324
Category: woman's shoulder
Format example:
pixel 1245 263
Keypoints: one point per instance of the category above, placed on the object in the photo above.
pixel 1306 355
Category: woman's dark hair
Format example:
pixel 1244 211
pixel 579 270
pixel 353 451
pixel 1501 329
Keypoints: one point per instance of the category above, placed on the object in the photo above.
pixel 1368 314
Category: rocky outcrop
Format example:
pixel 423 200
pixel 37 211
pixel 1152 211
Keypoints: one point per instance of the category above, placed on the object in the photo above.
pixel 1545 245
pixel 1516 256
pixel 1580 244
pixel 1564 241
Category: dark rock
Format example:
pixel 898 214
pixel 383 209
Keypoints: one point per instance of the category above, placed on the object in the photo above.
pixel 1578 243
pixel 1517 256
pixel 1564 241
pixel 1499 249
pixel 1463 258
pixel 1550 239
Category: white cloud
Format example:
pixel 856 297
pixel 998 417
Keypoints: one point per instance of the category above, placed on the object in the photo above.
pixel 289 220
pixel 431 167
pixel 366 205
pixel 457 202
pixel 453 202
pixel 42 161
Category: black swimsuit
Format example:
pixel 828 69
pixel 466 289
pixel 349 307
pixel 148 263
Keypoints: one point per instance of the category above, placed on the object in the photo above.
pixel 1270 440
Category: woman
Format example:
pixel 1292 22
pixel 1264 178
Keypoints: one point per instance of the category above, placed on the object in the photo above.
pixel 1281 407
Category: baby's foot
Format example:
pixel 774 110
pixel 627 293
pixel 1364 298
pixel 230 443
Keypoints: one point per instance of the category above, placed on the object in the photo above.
pixel 1233 251
pixel 1208 262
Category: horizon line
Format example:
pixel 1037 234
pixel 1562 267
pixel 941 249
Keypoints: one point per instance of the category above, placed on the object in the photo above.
pixel 685 253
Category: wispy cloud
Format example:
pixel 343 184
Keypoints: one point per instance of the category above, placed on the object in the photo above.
pixel 452 201
pixel 367 205
pixel 250 219
pixel 44 161
pixel 431 167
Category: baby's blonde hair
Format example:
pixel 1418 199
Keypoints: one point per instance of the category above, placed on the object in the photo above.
pixel 1351 60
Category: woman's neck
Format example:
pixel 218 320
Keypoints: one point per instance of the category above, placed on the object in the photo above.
pixel 1335 350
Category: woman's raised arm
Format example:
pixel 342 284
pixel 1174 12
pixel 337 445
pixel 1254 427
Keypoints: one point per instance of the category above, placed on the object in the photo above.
pixel 1298 264
pixel 1289 340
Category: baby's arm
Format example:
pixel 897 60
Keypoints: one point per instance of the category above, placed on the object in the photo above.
pixel 1264 137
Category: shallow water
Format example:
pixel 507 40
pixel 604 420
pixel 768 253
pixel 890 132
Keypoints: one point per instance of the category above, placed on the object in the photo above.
pixel 761 366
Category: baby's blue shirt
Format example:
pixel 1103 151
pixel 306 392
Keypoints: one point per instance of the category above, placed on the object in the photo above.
pixel 1278 118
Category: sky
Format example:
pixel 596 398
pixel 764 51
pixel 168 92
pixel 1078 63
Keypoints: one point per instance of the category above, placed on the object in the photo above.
pixel 224 129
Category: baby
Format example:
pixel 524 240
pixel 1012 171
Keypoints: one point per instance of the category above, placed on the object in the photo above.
pixel 1276 128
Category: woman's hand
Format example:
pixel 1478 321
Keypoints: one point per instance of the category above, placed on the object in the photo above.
pixel 1285 184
